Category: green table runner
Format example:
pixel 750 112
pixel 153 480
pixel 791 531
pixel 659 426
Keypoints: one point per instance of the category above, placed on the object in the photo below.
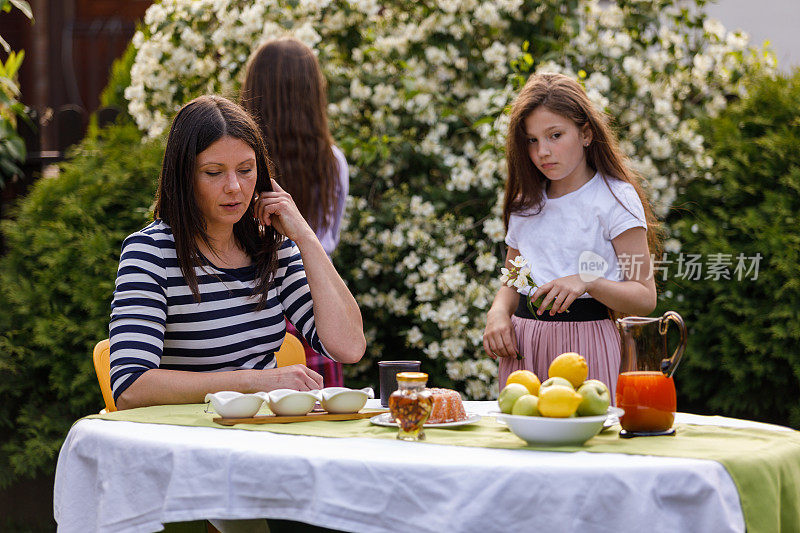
pixel 764 465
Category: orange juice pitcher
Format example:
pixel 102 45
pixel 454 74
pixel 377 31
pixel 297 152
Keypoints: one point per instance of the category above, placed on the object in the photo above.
pixel 645 389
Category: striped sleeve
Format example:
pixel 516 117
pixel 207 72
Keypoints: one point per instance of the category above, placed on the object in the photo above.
pixel 295 295
pixel 138 311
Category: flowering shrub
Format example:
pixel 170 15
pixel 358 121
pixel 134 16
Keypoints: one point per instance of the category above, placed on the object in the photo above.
pixel 419 92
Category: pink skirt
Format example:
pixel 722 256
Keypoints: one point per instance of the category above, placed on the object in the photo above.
pixel 540 342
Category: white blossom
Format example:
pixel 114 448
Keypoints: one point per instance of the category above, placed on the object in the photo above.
pixel 421 101
pixel 485 262
pixel 494 228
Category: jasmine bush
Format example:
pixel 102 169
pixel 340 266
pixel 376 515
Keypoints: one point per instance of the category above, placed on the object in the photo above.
pixel 418 96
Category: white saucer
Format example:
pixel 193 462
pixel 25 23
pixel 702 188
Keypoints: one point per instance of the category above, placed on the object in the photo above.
pixel 385 419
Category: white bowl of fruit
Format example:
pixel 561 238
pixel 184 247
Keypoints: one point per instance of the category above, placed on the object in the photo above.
pixel 565 410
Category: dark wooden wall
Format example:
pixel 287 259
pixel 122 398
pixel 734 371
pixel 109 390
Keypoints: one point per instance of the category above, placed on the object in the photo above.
pixel 68 52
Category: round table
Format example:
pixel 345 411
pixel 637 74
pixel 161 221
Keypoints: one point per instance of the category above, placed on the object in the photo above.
pixel 132 477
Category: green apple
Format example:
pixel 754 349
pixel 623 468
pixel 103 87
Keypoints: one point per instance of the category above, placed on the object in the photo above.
pixel 555 381
pixel 596 398
pixel 509 395
pixel 527 405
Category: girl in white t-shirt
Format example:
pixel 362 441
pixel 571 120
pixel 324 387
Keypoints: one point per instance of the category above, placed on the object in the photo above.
pixel 576 212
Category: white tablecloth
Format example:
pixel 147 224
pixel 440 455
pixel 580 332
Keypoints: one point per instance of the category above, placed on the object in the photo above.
pixel 130 477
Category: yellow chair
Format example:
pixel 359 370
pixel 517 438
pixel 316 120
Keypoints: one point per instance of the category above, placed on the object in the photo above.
pixel 291 352
pixel 102 367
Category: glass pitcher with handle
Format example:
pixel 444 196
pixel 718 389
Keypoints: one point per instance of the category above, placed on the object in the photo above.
pixel 645 389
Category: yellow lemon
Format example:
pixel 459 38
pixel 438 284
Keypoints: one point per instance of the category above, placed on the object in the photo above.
pixel 558 402
pixel 527 378
pixel 570 366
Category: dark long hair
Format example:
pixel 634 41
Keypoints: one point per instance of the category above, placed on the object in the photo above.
pixel 287 94
pixel 562 95
pixel 197 126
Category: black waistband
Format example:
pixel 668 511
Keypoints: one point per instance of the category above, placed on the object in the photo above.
pixel 581 310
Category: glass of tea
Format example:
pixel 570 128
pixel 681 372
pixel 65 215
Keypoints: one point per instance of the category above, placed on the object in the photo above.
pixel 645 388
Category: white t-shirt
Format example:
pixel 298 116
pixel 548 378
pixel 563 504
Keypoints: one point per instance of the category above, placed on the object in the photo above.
pixel 329 235
pixel 571 231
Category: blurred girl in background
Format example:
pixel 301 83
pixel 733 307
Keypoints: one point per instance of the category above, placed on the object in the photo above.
pixel 286 92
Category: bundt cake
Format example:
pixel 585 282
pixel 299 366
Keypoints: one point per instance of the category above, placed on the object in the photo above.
pixel 447 406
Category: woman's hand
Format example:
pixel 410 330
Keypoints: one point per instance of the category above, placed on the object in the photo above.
pixel 277 209
pixel 295 377
pixel 560 292
pixel 499 339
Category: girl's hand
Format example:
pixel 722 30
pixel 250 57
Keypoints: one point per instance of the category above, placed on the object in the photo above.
pixel 560 292
pixel 499 339
pixel 277 209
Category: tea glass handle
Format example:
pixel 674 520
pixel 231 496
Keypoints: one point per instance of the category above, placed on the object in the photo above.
pixel 668 366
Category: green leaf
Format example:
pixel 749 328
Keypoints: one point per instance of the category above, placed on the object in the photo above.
pixel 13 63
pixel 7 167
pixel 16 148
pixel 481 122
pixel 23 6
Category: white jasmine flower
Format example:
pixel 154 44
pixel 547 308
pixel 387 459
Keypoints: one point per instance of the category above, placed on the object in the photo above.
pixel 452 278
pixel 411 261
pixel 519 261
pixel 486 262
pixel 495 229
pixel 429 268
pixel 370 267
pixel 359 91
pixel 702 63
pixel 714 27
pixel 453 348
pixel 487 14
pixel 414 336
pixel 432 350
pixel 421 208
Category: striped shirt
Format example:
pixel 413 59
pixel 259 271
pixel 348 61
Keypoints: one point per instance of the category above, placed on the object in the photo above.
pixel 156 322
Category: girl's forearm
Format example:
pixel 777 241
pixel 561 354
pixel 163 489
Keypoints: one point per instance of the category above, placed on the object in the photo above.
pixel 629 297
pixel 336 313
pixel 505 302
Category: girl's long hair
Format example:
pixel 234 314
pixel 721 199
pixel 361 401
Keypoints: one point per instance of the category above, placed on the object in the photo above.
pixel 564 96
pixel 198 125
pixel 287 94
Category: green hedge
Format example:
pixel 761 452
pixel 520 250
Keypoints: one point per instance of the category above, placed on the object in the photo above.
pixel 114 93
pixel 56 283
pixel 743 358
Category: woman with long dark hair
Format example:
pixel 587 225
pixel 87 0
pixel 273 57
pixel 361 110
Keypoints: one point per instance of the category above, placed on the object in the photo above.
pixel 202 293
pixel 286 92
